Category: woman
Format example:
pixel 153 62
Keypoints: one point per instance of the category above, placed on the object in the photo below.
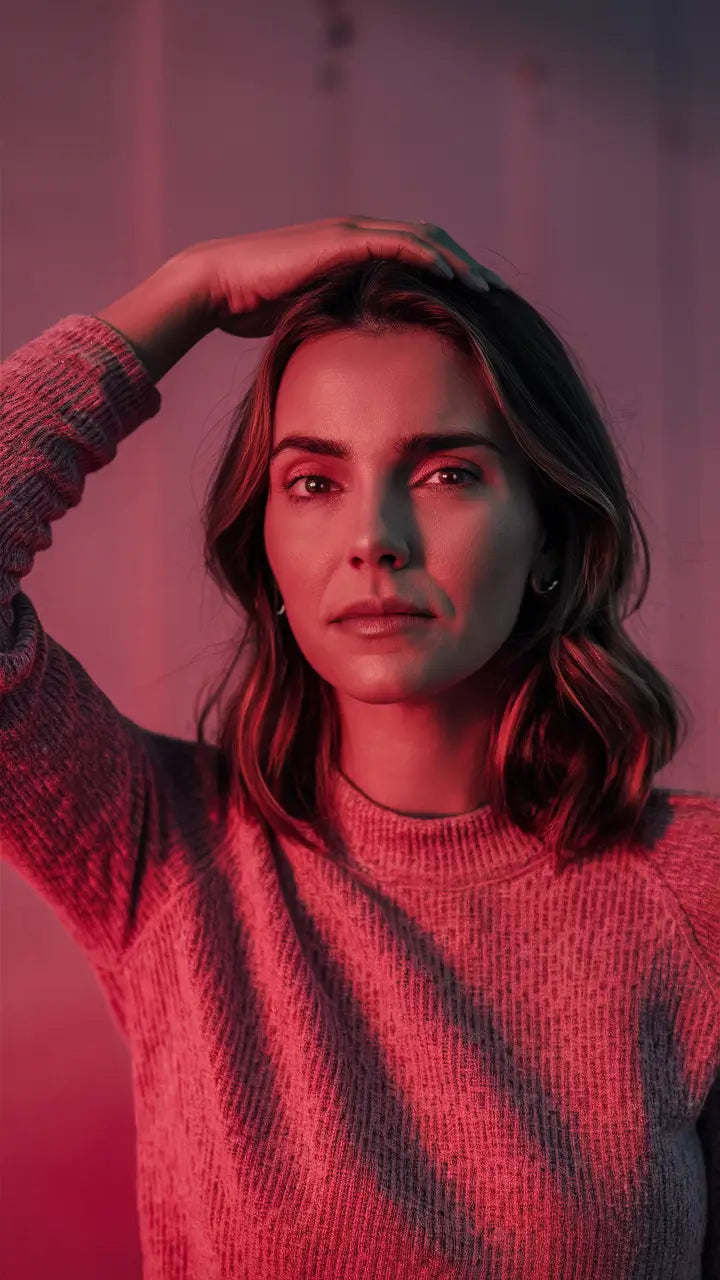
pixel 417 969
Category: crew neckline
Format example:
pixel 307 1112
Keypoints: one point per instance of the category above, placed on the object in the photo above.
pixel 385 846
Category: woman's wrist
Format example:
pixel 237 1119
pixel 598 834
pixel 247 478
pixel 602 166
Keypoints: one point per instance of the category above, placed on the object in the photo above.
pixel 164 316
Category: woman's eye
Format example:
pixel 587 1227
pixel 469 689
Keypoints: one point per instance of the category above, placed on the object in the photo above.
pixel 290 484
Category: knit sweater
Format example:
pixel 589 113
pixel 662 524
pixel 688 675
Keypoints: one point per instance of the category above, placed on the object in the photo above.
pixel 421 1051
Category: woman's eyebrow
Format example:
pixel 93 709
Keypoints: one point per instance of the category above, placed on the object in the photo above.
pixel 419 443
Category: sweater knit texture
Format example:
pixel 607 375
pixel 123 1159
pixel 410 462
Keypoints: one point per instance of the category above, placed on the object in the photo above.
pixel 421 1052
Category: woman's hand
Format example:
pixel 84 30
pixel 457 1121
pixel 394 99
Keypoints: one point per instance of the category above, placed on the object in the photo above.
pixel 249 277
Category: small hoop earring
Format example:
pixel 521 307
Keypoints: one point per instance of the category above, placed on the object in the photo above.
pixel 544 591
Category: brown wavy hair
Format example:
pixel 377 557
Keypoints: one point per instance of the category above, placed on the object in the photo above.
pixel 585 720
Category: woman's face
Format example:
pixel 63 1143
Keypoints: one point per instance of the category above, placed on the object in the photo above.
pixel 455 531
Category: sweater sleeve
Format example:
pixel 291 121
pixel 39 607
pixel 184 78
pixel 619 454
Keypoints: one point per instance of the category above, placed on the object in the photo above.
pixel 79 782
pixel 688 863
pixel 708 1129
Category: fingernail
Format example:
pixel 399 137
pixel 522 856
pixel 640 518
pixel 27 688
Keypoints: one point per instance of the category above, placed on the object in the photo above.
pixel 443 268
pixel 476 280
pixel 497 281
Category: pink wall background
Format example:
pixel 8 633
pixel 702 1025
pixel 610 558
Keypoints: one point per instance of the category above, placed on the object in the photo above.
pixel 574 152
